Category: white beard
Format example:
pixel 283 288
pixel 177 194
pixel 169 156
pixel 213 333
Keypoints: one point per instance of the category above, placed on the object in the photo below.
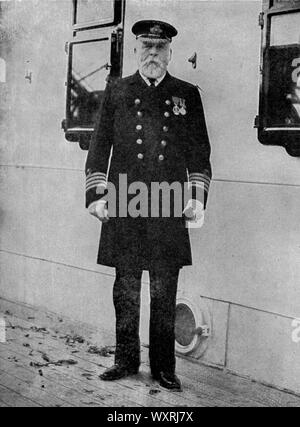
pixel 152 71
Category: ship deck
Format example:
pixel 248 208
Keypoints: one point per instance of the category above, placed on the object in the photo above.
pixel 48 361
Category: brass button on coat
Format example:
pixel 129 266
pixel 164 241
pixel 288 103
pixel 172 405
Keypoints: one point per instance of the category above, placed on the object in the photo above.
pixel 140 156
pixel 137 102
pixel 139 141
pixel 164 143
pixel 167 114
pixel 168 102
pixel 140 114
pixel 165 129
pixel 139 127
pixel 161 158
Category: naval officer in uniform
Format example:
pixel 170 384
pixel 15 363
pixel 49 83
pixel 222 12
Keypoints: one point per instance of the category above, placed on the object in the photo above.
pixel 151 128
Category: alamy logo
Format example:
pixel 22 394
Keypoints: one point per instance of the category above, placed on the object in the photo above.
pixel 296 331
pixel 157 200
pixel 2 330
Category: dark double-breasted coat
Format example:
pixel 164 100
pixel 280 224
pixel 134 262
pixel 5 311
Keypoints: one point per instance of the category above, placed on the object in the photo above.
pixel 150 134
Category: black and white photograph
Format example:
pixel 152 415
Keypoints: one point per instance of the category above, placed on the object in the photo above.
pixel 149 206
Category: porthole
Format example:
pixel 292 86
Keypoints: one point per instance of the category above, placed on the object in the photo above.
pixel 192 326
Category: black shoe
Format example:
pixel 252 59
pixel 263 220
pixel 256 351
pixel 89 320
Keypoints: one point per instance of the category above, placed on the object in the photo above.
pixel 169 381
pixel 117 372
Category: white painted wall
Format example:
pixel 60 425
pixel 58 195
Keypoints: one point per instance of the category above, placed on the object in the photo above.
pixel 246 258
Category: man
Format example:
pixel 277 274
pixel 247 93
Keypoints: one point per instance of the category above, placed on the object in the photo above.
pixel 151 130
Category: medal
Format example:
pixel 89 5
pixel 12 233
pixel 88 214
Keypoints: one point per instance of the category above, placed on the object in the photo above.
pixel 176 109
pixel 183 107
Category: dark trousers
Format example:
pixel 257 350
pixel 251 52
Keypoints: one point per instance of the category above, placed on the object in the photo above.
pixel 127 297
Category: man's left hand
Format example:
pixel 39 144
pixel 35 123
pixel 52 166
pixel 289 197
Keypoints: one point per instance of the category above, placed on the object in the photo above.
pixel 194 213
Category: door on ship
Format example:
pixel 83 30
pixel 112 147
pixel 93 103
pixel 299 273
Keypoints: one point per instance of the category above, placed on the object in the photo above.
pixel 95 56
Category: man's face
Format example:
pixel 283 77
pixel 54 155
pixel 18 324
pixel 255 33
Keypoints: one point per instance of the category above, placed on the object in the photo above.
pixel 153 57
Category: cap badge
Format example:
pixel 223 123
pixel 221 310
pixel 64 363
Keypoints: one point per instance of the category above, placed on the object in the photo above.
pixel 156 30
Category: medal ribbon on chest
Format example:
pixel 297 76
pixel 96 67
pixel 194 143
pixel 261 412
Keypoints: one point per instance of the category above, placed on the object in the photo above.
pixel 179 106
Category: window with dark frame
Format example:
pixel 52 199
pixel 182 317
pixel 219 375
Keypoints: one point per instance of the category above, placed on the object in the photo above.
pixel 278 122
pixel 88 81
pixel 89 13
pixel 95 58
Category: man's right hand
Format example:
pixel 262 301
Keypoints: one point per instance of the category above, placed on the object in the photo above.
pixel 99 210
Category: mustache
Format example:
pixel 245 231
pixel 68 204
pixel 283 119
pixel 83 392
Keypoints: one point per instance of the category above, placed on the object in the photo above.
pixel 153 62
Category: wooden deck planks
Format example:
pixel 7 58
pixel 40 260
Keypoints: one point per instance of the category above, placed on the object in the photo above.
pixel 78 389
pixel 79 385
pixel 139 388
pixel 14 399
pixel 137 384
pixel 29 390
pixel 195 394
pixel 235 385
